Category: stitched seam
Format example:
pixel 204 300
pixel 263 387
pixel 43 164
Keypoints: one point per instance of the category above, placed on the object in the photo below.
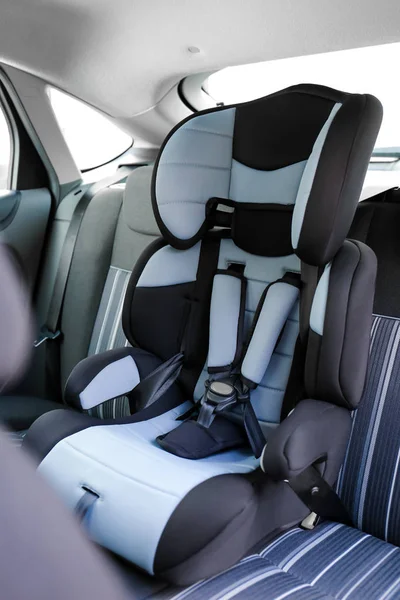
pixel 145 485
pixel 299 578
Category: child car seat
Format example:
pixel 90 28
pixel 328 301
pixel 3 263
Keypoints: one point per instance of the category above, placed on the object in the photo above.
pixel 254 202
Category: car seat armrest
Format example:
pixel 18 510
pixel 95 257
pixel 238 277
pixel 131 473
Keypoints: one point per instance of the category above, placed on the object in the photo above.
pixel 315 433
pixel 102 377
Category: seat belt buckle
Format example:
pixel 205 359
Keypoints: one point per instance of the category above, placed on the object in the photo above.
pixel 219 395
pixel 44 335
pixel 311 521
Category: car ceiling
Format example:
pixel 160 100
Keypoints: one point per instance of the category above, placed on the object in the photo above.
pixel 123 56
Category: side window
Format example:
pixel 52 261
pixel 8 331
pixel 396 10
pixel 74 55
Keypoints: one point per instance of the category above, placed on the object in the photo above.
pixel 5 151
pixel 93 139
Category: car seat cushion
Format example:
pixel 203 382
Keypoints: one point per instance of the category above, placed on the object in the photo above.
pixel 332 561
pixel 147 495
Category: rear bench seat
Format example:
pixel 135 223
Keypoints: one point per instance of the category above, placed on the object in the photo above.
pixel 117 226
pixel 334 560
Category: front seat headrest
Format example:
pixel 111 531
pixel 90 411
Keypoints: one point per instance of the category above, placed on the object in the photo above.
pixel 15 320
pixel 296 158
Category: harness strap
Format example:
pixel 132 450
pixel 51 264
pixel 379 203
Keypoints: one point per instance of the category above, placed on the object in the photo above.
pixel 240 369
pixel 273 311
pixel 227 312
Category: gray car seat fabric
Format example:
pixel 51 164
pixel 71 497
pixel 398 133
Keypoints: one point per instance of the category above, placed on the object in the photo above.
pixel 148 495
pixel 16 330
pixel 117 226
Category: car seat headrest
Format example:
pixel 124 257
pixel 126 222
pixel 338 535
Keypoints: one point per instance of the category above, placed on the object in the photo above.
pixel 284 172
pixel 137 210
pixel 15 320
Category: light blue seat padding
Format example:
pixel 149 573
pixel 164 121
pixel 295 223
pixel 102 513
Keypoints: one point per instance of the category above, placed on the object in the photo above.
pixel 170 267
pixel 276 187
pixel 196 164
pixel 113 380
pixel 224 319
pixel 138 483
pixel 277 306
pixel 318 307
pixel 308 178
pixel 331 562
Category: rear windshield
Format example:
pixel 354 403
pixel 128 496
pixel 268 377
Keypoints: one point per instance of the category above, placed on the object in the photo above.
pixel 371 70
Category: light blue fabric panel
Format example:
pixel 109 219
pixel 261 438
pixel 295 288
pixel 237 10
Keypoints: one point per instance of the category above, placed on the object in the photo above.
pixel 318 308
pixel 274 187
pixel 195 166
pixel 308 178
pixel 224 319
pixel 116 379
pixel 139 484
pixel 170 267
pixel 277 306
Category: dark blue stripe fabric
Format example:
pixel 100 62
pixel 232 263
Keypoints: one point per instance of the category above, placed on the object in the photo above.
pixel 332 561
pixel 369 484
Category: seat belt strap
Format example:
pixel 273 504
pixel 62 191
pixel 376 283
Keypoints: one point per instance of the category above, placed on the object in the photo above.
pixel 85 503
pixel 319 497
pixel 295 387
pixel 50 329
pixel 226 346
pixel 151 388
pixel 273 311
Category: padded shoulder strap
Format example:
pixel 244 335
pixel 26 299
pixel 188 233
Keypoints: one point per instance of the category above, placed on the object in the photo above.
pixel 227 319
pixel 273 311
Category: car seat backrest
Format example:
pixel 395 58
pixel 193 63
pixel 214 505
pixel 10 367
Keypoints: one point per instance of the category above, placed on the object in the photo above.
pixel 117 227
pixel 259 170
pixel 16 331
pixel 241 195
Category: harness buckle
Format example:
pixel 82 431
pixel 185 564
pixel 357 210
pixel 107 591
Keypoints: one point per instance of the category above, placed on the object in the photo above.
pixel 219 395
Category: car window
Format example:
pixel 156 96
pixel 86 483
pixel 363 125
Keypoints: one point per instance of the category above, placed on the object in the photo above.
pixel 5 151
pixel 362 70
pixel 92 139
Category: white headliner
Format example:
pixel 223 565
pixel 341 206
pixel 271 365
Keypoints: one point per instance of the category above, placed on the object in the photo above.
pixel 123 56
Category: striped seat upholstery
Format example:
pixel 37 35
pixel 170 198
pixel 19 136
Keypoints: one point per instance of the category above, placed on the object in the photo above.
pixel 335 561
pixel 370 482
